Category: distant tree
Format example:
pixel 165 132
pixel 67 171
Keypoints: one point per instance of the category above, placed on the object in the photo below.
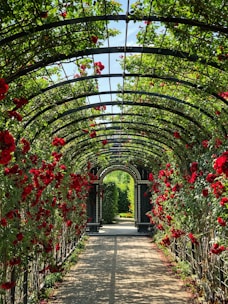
pixel 123 201
pixel 110 202
pixel 125 185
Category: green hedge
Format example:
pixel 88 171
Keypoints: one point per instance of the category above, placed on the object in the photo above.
pixel 110 202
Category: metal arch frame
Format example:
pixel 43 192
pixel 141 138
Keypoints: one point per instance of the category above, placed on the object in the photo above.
pixel 157 95
pixel 113 127
pixel 89 140
pixel 119 145
pixel 159 51
pixel 112 50
pixel 133 171
pixel 147 140
pixel 110 155
pixel 144 104
pixel 119 17
pixel 112 115
pixel 112 75
pixel 119 128
pixel 130 150
pixel 133 123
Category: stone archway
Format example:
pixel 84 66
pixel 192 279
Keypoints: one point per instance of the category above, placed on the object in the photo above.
pixel 142 196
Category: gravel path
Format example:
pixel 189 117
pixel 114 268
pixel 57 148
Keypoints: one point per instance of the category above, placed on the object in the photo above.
pixel 121 270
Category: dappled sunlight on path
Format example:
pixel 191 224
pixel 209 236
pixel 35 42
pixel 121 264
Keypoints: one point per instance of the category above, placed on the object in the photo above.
pixel 120 270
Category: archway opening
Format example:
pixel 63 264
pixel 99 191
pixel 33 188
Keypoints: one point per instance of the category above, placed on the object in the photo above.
pixel 122 186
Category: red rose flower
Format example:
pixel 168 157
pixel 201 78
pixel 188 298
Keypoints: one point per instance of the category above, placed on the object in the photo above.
pixel 98 67
pixel 221 164
pixel 165 241
pixel 160 227
pixel 69 223
pixel 15 261
pixel 205 143
pixel 57 141
pixel 93 134
pixel 15 115
pixel 218 143
pixel 151 177
pixel 3 222
pixel 221 221
pixel 20 236
pixel 224 201
pixel 176 134
pixel 63 14
pixel 20 102
pixel 224 95
pixel 7 285
pixel 218 188
pixel 4 87
pixel 210 177
pixel 193 239
pixel 26 145
pixel 205 192
pixel 7 141
pixel 194 167
pixel 177 233
pixel 94 39
pixel 192 178
pixel 216 249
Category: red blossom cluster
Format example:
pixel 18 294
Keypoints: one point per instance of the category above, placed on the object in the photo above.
pixel 176 135
pixel 58 141
pixel 224 201
pixel 63 14
pixel 7 146
pixel 216 249
pixel 93 134
pixel 151 177
pixel 94 39
pixel 224 95
pixel 193 239
pixel 165 241
pixel 218 188
pixel 25 145
pixel 15 115
pixel 221 221
pixel 98 67
pixel 100 108
pixel 4 87
pixel 176 233
pixel 221 164
pixel 20 102
pixel 205 192
pixel 205 143
pixel 8 285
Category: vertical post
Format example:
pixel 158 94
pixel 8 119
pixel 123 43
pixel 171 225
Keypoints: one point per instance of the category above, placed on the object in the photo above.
pixel 25 287
pixel 135 203
pixel 139 204
pixel 97 203
pixel 101 201
pixel 12 291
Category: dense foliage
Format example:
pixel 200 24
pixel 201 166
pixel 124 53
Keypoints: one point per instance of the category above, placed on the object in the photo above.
pixel 110 203
pixel 125 186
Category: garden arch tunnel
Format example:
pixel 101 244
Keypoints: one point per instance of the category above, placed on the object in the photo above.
pixel 142 203
pixel 135 85
pixel 116 97
pixel 157 77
